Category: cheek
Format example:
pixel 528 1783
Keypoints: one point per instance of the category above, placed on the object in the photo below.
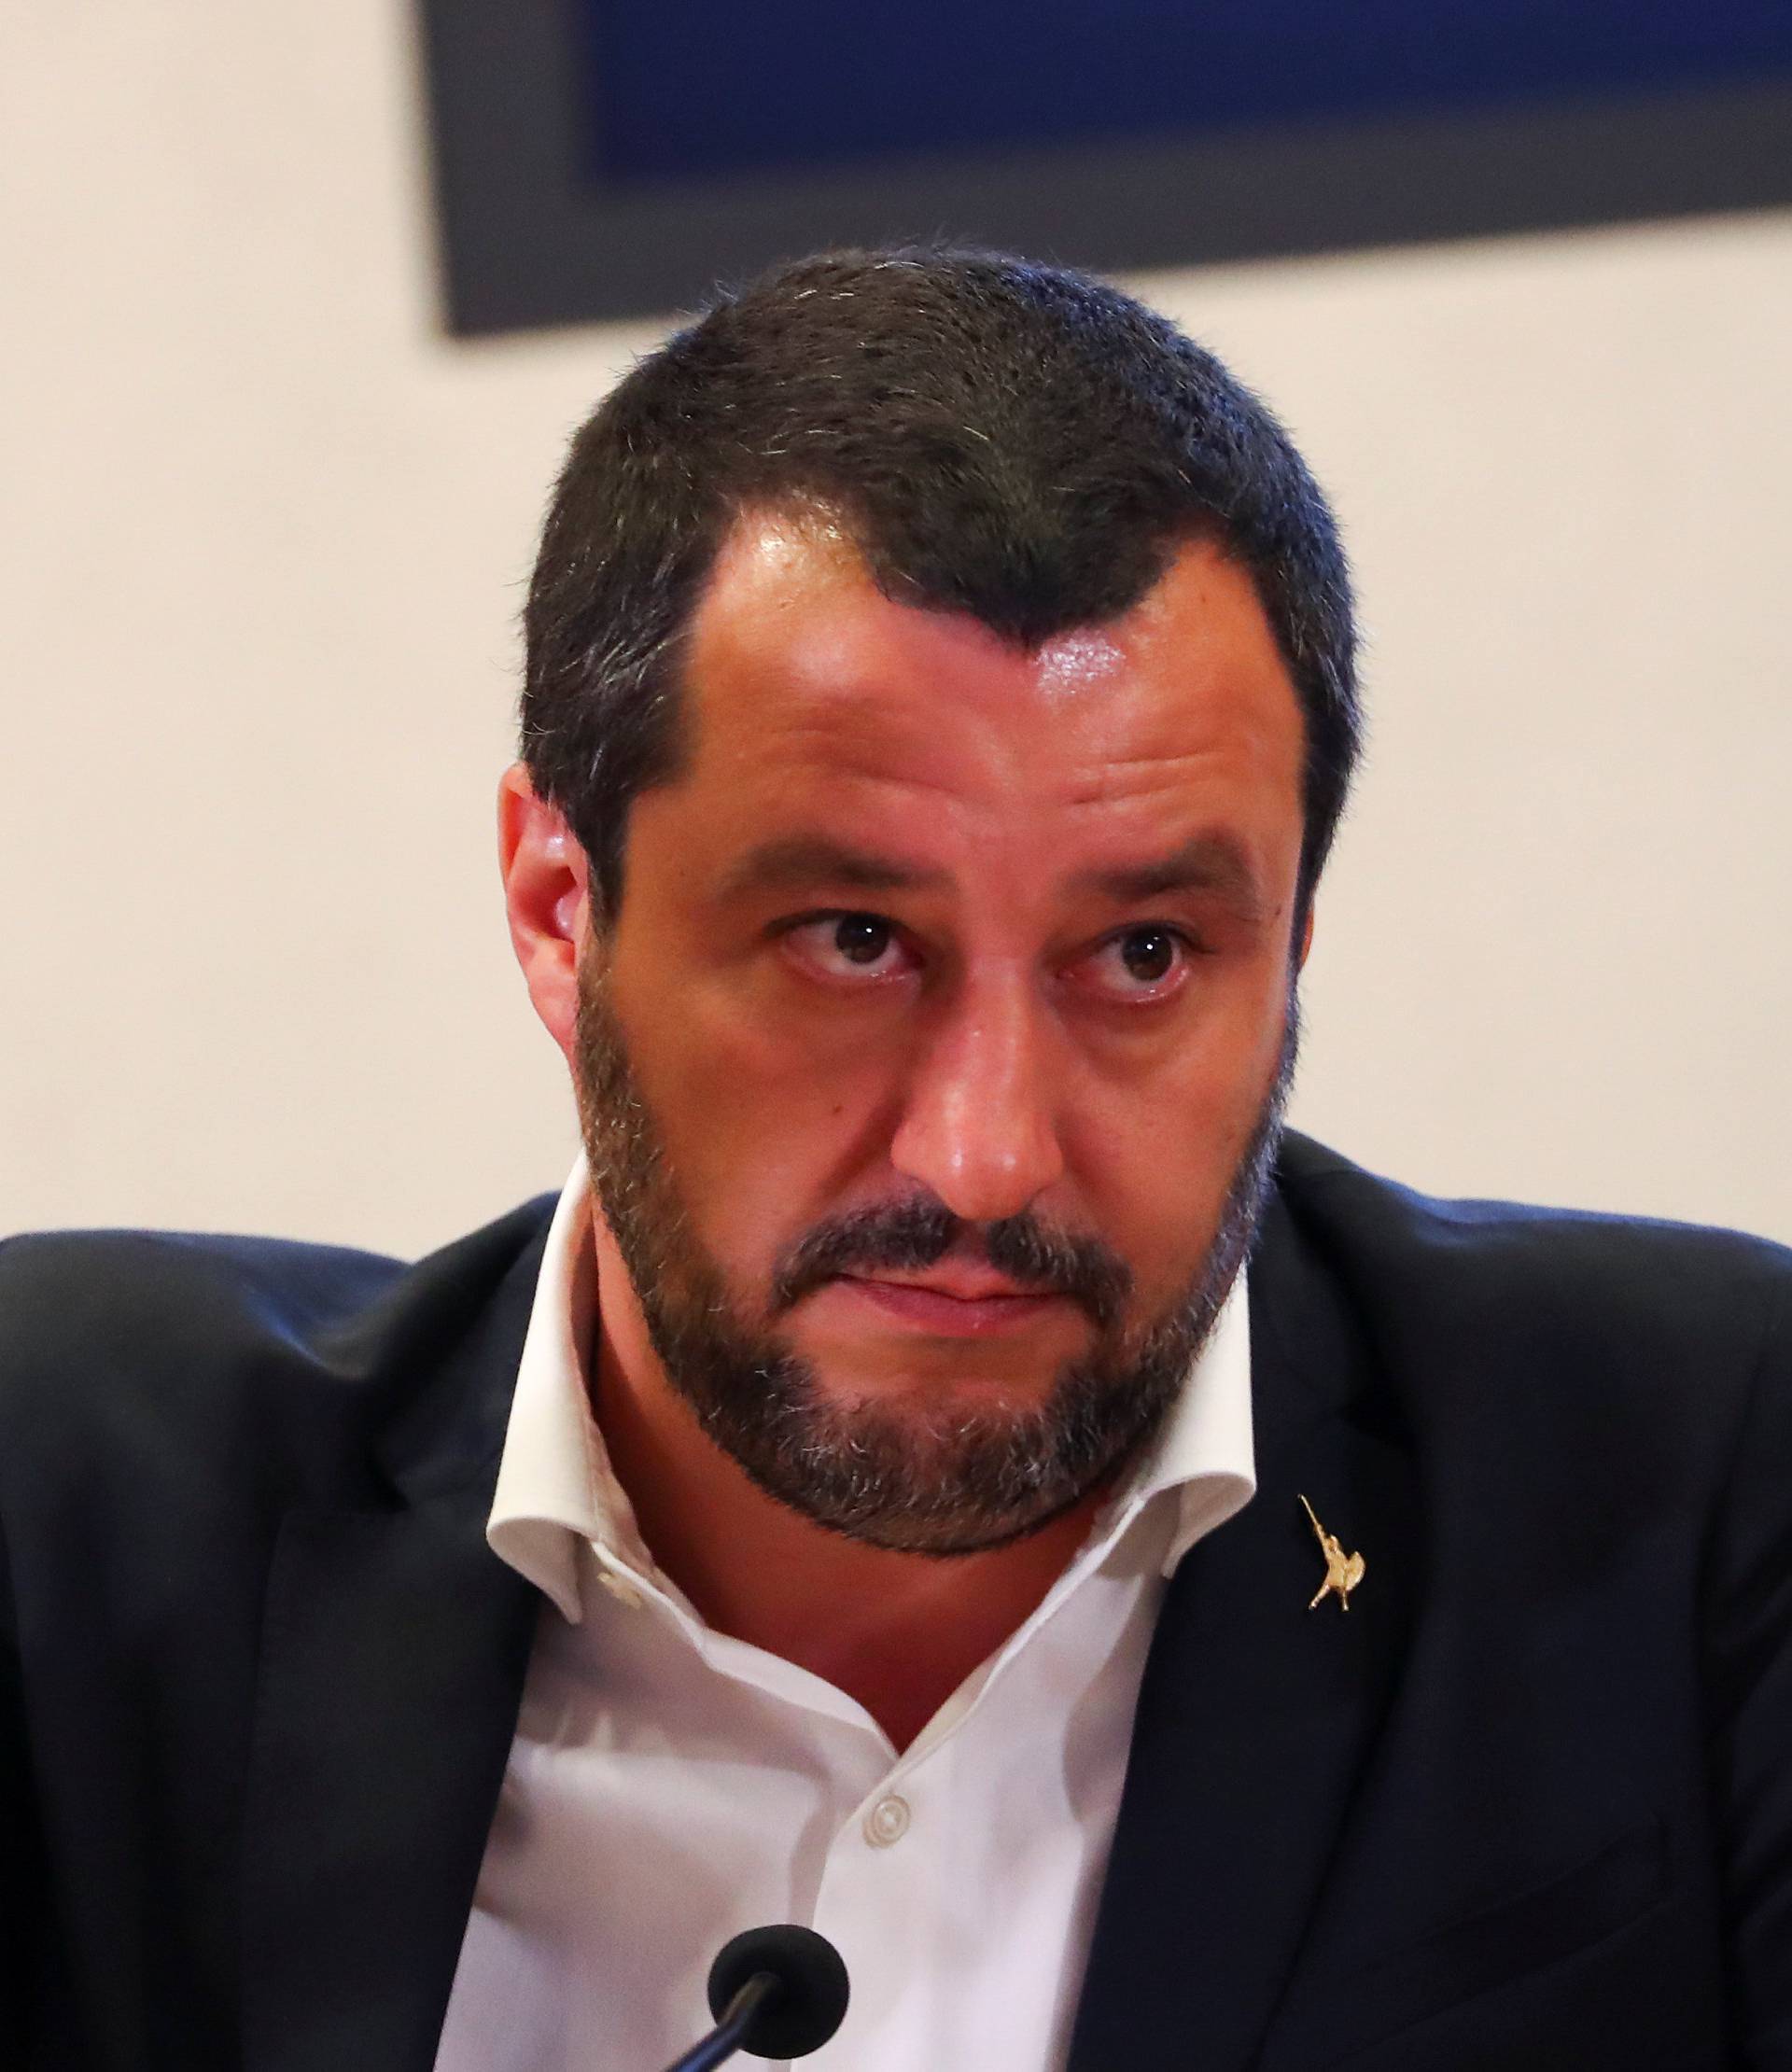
pixel 763 1128
pixel 1159 1157
pixel 1158 1194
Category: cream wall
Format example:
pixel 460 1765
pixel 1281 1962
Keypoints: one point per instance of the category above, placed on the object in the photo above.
pixel 265 534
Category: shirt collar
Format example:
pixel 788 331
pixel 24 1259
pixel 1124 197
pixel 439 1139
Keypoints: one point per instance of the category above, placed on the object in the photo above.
pixel 555 1487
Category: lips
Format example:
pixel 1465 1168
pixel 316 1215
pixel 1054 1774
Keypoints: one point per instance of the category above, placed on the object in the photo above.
pixel 955 1305
pixel 963 1285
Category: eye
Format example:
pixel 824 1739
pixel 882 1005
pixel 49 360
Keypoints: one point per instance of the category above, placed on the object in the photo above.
pixel 1143 964
pixel 850 946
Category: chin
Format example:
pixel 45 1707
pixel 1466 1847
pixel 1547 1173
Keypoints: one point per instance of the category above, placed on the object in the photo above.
pixel 984 1379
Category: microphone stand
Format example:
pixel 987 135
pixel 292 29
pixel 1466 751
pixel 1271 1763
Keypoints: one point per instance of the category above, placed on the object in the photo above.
pixel 724 2039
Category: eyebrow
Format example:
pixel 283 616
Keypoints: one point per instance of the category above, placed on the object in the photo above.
pixel 1211 864
pixel 792 860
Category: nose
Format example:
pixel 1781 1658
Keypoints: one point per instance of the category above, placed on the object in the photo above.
pixel 979 1127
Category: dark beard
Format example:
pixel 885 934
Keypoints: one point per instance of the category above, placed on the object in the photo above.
pixel 962 1482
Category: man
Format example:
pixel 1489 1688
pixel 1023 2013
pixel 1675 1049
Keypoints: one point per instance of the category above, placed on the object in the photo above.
pixel 871 1495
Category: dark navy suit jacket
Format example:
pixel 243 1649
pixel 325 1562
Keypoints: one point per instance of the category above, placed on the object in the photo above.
pixel 1527 1805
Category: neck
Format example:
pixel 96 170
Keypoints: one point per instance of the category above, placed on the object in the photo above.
pixel 897 1632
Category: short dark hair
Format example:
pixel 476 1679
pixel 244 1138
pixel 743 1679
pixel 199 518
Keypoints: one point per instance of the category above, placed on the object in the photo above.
pixel 1011 439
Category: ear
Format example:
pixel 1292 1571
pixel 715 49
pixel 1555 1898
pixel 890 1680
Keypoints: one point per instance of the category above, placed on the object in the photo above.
pixel 548 897
pixel 1306 938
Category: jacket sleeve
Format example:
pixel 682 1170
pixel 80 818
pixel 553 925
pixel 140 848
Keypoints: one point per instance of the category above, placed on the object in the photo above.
pixel 24 1894
pixel 1750 1712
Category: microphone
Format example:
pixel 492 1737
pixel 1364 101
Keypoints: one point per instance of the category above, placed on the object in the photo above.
pixel 779 1992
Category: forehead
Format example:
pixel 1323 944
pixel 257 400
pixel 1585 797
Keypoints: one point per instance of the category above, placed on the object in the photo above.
pixel 811 692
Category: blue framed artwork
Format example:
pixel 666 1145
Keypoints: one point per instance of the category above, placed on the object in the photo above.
pixel 603 159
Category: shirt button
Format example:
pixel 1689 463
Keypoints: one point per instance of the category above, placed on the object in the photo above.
pixel 622 1591
pixel 887 1822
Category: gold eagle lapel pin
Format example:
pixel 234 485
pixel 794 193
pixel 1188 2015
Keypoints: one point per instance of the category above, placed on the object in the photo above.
pixel 1343 1571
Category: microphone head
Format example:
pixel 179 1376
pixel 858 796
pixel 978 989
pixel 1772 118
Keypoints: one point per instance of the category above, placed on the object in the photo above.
pixel 812 2003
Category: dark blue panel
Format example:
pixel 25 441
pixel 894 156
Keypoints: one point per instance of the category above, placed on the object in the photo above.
pixel 701 88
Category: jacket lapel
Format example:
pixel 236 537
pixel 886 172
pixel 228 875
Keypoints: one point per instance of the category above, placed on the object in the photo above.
pixel 393 1650
pixel 1256 1716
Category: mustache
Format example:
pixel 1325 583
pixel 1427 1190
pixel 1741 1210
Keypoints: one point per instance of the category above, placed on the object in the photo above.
pixel 904 1237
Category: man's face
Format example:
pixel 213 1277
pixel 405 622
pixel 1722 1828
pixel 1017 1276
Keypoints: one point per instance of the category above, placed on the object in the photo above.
pixel 931 1068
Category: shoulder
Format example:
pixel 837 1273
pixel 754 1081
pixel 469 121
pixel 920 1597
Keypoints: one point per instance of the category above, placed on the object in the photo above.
pixel 1626 1270
pixel 210 1351
pixel 1485 1309
pixel 63 1287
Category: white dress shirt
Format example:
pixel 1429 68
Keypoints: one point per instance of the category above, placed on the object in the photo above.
pixel 670 1786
